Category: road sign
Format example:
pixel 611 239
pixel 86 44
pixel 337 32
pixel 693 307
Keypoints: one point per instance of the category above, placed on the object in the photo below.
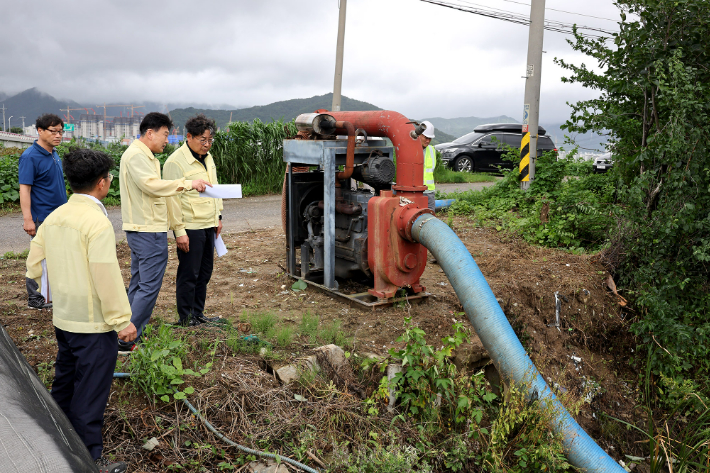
pixel 526 114
pixel 68 127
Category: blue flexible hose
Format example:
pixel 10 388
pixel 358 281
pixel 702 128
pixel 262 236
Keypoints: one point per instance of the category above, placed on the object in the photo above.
pixel 234 444
pixel 444 204
pixel 498 337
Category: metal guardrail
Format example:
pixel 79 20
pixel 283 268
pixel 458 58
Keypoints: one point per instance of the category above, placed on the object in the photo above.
pixel 7 136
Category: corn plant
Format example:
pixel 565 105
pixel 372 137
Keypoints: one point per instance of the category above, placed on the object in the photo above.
pixel 251 154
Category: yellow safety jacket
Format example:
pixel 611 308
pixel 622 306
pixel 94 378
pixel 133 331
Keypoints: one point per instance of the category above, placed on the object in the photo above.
pixel 429 165
pixel 78 242
pixel 195 212
pixel 143 204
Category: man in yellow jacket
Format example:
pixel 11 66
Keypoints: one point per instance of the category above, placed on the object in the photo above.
pixel 145 213
pixel 91 308
pixel 199 221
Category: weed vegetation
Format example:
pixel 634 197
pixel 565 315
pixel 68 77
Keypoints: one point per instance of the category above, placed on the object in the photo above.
pixel 441 419
pixel 646 220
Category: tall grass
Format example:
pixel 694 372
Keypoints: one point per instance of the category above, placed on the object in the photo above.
pixel 251 154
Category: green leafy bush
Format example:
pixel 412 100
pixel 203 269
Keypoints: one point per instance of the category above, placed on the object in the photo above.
pixel 654 87
pixel 462 425
pixel 157 365
pixel 567 205
pixel 9 179
pixel 430 386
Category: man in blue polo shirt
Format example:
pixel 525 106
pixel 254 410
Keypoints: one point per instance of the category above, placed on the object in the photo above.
pixel 42 187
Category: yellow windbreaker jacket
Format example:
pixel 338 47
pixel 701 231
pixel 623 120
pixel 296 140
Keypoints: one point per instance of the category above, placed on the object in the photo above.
pixel 143 204
pixel 196 212
pixel 78 242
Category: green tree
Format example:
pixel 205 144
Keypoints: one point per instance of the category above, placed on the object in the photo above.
pixel 16 129
pixel 654 103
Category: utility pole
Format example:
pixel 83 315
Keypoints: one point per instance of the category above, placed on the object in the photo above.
pixel 3 117
pixel 339 57
pixel 531 110
pixel 23 124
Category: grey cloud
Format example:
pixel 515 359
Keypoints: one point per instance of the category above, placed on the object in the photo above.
pixel 406 55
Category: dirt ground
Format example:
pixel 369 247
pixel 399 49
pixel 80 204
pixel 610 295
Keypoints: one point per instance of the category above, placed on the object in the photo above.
pixel 587 355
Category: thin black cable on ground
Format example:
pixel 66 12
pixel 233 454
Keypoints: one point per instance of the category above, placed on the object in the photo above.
pixel 234 444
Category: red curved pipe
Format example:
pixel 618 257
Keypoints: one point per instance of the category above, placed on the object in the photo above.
pixel 350 156
pixel 393 125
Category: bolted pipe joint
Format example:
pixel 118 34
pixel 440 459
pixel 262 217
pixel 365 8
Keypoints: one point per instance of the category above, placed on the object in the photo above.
pixel 404 218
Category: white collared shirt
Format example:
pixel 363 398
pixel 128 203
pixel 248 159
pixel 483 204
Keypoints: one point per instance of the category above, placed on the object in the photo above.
pixel 97 201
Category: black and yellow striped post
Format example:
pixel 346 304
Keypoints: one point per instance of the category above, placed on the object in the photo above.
pixel 525 157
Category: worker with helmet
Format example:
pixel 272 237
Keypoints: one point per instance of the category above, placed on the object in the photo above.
pixel 429 163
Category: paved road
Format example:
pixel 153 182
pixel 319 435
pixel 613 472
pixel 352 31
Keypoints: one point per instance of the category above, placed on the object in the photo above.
pixel 239 215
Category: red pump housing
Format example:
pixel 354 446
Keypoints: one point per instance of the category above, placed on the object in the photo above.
pixel 395 260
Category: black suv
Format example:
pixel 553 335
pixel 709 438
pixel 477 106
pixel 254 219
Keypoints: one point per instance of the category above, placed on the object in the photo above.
pixel 478 151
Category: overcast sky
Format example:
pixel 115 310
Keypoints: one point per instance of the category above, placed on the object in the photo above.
pixel 419 59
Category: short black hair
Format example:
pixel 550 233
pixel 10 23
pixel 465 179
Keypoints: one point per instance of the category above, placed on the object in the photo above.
pixel 84 167
pixel 47 120
pixel 198 124
pixel 155 121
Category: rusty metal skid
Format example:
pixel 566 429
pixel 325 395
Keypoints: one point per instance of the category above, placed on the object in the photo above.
pixel 365 299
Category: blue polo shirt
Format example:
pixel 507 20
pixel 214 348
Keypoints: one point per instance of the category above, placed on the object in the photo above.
pixel 43 171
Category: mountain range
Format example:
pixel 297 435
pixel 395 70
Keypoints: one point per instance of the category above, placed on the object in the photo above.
pixel 286 110
pixel 32 102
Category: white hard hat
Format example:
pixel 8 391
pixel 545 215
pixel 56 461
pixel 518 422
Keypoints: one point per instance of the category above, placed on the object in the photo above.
pixel 429 131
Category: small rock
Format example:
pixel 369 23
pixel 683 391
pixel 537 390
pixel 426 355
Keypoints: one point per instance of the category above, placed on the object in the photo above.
pixel 583 296
pixel 151 444
pixel 333 353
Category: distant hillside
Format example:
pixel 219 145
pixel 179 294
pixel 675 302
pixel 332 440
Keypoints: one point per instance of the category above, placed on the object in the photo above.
pixel 587 143
pixel 31 104
pixel 441 137
pixel 3 96
pixel 287 109
pixel 462 125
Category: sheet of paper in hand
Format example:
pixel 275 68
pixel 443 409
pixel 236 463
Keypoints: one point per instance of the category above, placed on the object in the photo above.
pixel 223 191
pixel 220 246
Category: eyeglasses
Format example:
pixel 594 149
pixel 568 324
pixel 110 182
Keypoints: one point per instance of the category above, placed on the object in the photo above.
pixel 109 178
pixel 206 142
pixel 54 132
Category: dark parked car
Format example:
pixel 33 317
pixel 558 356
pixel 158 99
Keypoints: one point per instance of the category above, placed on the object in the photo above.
pixel 478 151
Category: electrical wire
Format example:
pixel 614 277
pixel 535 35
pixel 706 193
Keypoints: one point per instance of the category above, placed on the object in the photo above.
pixel 550 25
pixel 244 449
pixel 564 11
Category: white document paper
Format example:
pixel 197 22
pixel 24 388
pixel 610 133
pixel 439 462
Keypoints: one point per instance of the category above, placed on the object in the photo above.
pixel 220 246
pixel 223 191
pixel 45 290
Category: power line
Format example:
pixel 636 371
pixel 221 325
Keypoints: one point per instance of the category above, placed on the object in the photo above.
pixel 564 11
pixel 550 25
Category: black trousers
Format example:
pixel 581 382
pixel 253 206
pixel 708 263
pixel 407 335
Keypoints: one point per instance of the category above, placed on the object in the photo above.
pixel 194 272
pixel 82 382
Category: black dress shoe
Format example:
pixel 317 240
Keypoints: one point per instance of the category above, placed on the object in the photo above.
pixel 206 320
